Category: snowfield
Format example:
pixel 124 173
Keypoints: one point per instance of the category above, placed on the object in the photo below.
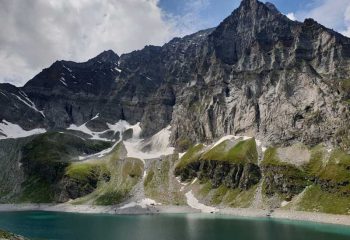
pixel 10 130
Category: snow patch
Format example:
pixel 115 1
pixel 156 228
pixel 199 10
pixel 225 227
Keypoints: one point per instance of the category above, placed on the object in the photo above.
pixel 118 69
pixel 259 144
pixel 63 81
pixel 144 203
pixel 230 137
pixel 97 116
pixel 28 102
pixel 284 203
pixel 194 203
pixel 99 154
pixel 223 139
pixel 158 145
pixel 67 68
pixel 11 130
pixel 120 126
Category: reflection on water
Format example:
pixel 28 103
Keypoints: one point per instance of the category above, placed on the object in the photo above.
pixel 45 225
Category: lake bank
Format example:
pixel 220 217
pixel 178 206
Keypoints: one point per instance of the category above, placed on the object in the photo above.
pixel 166 209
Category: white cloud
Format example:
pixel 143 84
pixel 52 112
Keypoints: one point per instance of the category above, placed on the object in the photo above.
pixel 333 14
pixel 36 33
pixel 291 16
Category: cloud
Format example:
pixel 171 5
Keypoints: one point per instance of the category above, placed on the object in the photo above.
pixel 333 14
pixel 291 16
pixel 36 33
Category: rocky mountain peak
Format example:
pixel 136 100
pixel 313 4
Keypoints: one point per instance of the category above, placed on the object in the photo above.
pixel 106 56
pixel 256 8
pixel 248 2
pixel 254 25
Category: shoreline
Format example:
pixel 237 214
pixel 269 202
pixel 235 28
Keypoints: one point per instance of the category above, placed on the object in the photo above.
pixel 323 218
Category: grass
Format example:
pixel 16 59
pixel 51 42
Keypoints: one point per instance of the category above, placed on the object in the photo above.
pixel 192 155
pixel 83 171
pixel 132 168
pixel 218 195
pixel 205 188
pixel 229 197
pixel 48 155
pixel 271 158
pixel 316 163
pixel 314 199
pixel 184 144
pixel 36 190
pixel 345 85
pixel 45 159
pixel 237 198
pixel 240 153
pixel 111 197
pixel 337 168
pixel 296 178
pixel 149 178
pixel 125 173
pixel 159 183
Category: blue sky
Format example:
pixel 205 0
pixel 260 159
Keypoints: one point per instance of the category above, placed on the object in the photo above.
pixel 217 10
pixel 211 12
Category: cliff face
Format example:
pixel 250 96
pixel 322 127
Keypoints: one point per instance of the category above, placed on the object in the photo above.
pixel 267 76
pixel 258 73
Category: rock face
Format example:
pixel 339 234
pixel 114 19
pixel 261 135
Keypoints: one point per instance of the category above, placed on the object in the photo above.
pixel 284 180
pixel 242 176
pixel 258 73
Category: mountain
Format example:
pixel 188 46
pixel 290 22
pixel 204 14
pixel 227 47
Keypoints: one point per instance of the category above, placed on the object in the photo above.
pixel 257 75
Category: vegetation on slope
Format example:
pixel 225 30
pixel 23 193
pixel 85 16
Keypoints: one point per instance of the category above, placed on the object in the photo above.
pixel 160 184
pixel 281 178
pixel 225 196
pixel 236 153
pixel 192 155
pixel 315 199
pixel 240 153
pixel 123 174
pixel 44 160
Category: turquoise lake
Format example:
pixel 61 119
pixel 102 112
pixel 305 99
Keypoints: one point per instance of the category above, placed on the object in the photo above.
pixel 68 226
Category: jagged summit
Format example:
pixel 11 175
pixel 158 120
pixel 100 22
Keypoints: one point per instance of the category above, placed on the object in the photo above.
pixel 106 56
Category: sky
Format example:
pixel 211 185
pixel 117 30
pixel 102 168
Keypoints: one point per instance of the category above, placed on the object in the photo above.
pixel 36 33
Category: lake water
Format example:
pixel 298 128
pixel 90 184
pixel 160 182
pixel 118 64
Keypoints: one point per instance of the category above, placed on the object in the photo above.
pixel 67 226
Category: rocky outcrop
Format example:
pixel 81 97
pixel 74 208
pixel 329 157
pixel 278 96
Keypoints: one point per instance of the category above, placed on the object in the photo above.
pixel 73 188
pixel 284 180
pixel 242 176
pixel 4 235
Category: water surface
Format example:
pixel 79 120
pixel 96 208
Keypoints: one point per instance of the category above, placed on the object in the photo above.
pixel 68 226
